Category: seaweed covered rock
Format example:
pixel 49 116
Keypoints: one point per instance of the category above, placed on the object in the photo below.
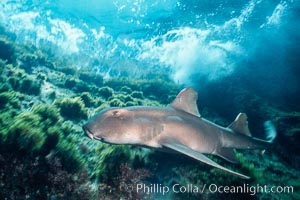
pixel 68 70
pixel 76 85
pixel 110 158
pixel 26 132
pixel 31 131
pixel 137 94
pixel 30 86
pixel 31 60
pixel 47 112
pixel 102 107
pixel 41 76
pixel 82 87
pixel 156 89
pixel 5 98
pixel 22 82
pixel 116 103
pixel 131 103
pixel 39 178
pixel 2 67
pixel 72 108
pixel 131 178
pixel 125 89
pixel 122 97
pixel 91 77
pixel 87 99
pixel 106 92
pixel 71 82
pixel 121 100
pixel 71 158
pixel 7 49
pixel 10 98
pixel 39 133
pixel 28 61
pixel 54 136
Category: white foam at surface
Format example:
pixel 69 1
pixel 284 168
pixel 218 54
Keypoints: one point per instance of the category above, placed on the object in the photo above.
pixel 68 37
pixel 189 52
pixel 186 52
pixel 277 14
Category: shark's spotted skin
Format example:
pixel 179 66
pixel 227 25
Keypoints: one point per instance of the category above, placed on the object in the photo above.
pixel 179 127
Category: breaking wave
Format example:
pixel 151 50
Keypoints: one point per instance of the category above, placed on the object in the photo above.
pixel 187 40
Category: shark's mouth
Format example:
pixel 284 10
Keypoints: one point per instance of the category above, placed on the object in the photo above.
pixel 90 134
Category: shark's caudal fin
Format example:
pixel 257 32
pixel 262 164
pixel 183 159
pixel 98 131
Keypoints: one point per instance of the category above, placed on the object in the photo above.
pixel 199 156
pixel 243 139
pixel 240 125
pixel 270 131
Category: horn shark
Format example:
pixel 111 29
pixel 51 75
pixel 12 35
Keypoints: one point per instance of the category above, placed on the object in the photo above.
pixel 178 127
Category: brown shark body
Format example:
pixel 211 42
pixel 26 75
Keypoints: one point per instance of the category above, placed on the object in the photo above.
pixel 178 126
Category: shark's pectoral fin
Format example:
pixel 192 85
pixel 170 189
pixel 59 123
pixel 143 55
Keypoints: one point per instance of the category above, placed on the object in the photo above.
pixel 227 154
pixel 199 156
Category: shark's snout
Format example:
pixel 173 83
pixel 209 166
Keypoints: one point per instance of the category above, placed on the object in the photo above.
pixel 89 133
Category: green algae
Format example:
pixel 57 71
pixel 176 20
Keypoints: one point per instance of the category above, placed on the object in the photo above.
pixel 22 82
pixel 111 157
pixel 91 77
pixel 76 85
pixel 155 89
pixel 7 49
pixel 125 89
pixel 28 61
pixel 47 112
pixel 69 155
pixel 46 131
pixel 68 70
pixel 137 94
pixel 30 86
pixel 9 98
pixel 38 132
pixel 87 99
pixel 72 108
pixel 116 103
pixel 106 92
pixel 26 132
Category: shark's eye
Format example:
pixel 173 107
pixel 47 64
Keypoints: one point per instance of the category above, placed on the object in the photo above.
pixel 118 114
pixel 115 113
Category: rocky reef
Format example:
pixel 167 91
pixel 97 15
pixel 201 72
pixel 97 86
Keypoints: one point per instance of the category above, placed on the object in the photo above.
pixel 44 153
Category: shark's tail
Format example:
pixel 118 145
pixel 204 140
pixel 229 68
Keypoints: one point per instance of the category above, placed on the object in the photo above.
pixel 270 134
pixel 270 131
pixel 243 136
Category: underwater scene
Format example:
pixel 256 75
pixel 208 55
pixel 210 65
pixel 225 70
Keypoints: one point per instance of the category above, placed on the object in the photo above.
pixel 149 99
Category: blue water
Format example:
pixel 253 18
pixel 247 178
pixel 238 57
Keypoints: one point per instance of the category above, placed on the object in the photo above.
pixel 194 42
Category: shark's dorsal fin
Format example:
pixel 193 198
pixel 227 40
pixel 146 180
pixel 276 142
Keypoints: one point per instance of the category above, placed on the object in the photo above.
pixel 199 156
pixel 186 101
pixel 240 124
